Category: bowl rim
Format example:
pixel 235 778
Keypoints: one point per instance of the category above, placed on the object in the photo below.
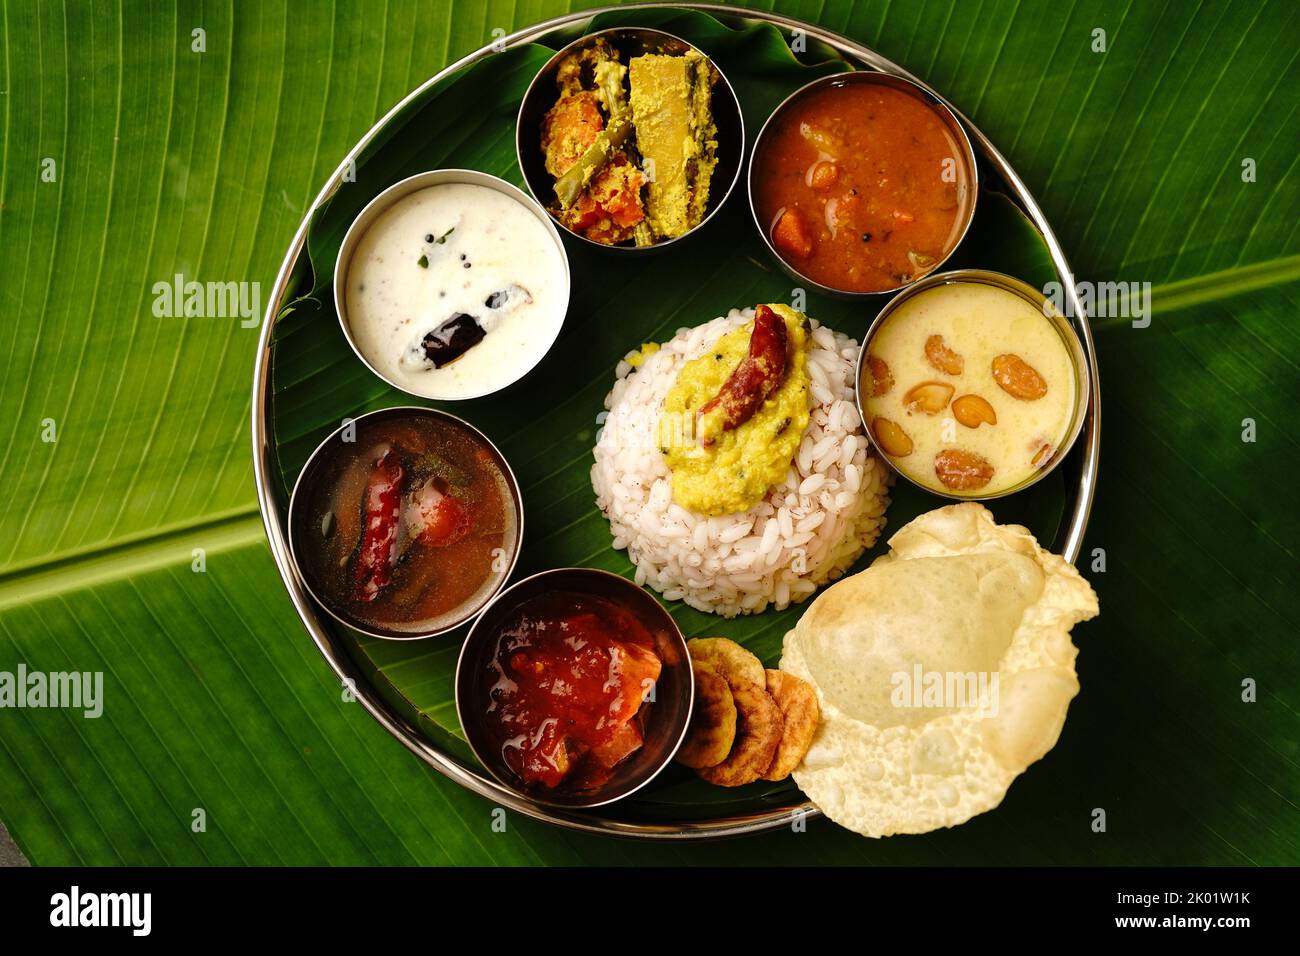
pixel 388 197
pixel 1049 312
pixel 532 90
pixel 476 633
pixel 946 114
pixel 293 516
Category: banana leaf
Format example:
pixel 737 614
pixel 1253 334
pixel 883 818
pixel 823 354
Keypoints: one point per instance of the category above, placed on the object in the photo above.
pixel 130 157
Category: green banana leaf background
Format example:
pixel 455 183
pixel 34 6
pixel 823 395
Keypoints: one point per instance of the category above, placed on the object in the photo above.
pixel 135 149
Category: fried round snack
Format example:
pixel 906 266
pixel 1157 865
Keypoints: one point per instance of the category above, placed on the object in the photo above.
pixel 735 663
pixel 713 722
pixel 957 593
pixel 758 733
pixel 800 716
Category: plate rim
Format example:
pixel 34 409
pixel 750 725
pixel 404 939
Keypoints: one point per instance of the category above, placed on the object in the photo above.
pixel 1069 541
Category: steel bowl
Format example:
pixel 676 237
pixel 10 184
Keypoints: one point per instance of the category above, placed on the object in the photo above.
pixel 872 77
pixel 399 190
pixel 630 41
pixel 1078 359
pixel 670 709
pixel 318 468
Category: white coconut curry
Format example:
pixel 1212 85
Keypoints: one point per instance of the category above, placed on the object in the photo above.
pixel 455 291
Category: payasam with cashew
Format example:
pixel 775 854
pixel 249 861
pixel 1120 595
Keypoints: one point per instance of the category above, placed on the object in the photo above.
pixel 968 389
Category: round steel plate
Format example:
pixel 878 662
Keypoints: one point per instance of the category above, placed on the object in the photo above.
pixel 1080 468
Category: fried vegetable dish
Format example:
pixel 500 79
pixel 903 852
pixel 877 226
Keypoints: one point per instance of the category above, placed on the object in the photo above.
pixel 631 146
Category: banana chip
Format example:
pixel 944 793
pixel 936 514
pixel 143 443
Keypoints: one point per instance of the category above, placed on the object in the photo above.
pixel 735 663
pixel 799 716
pixel 758 733
pixel 713 722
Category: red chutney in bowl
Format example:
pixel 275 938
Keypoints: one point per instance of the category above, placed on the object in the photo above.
pixel 861 186
pixel 567 702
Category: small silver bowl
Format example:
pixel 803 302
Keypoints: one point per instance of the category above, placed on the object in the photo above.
pixel 399 190
pixel 670 711
pixel 630 41
pixel 319 468
pixel 1078 359
pixel 946 115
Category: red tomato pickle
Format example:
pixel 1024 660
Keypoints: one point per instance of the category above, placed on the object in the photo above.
pixel 569 678
pixel 862 187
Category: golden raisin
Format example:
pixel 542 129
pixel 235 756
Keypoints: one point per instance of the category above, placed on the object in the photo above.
pixel 962 470
pixel 882 379
pixel 943 358
pixel 1018 378
pixel 928 397
pixel 891 437
pixel 973 411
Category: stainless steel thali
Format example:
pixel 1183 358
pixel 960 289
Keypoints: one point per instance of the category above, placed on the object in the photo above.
pixel 1081 467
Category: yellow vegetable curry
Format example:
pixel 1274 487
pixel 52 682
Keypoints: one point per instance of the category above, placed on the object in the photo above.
pixel 722 468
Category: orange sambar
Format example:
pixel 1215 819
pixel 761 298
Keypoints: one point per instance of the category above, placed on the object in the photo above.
pixel 862 187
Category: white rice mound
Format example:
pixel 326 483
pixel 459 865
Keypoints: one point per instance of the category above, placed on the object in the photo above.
pixel 807 531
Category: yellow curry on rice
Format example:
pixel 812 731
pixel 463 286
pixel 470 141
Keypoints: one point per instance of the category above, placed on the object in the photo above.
pixel 724 457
